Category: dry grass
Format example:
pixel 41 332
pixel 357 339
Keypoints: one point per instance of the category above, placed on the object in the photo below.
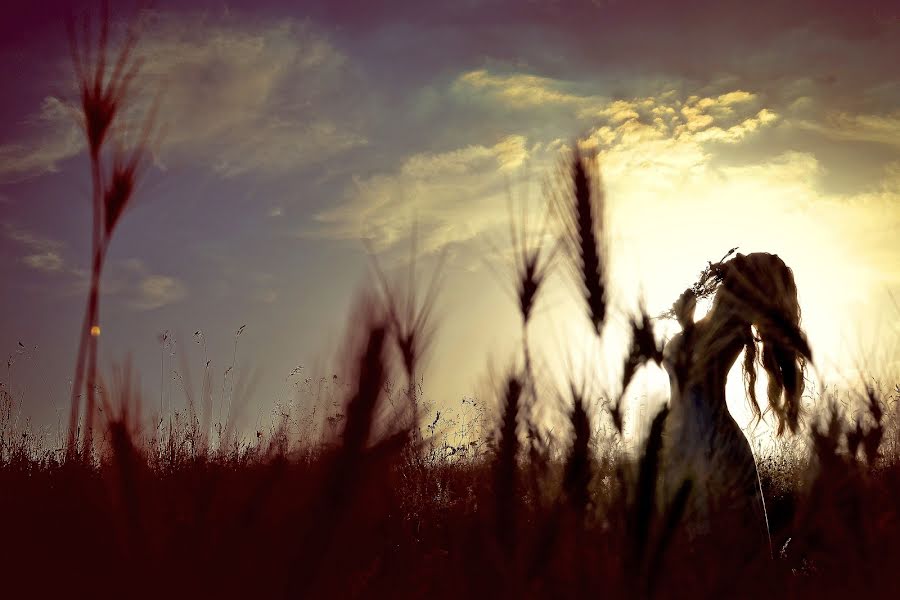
pixel 362 516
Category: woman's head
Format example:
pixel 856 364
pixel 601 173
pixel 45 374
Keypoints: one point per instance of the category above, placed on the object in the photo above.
pixel 758 291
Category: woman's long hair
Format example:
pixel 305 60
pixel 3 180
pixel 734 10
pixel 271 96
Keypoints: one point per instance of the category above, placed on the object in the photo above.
pixel 758 291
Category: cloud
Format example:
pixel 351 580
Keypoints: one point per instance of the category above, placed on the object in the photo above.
pixel 43 253
pixel 265 295
pixel 458 194
pixel 876 128
pixel 29 238
pixel 155 291
pixel 250 97
pixel 129 279
pixel 452 196
pixel 237 96
pixel 520 90
pixel 49 261
pixel 524 92
pixel 738 132
pixel 726 117
pixel 53 135
pixel 139 287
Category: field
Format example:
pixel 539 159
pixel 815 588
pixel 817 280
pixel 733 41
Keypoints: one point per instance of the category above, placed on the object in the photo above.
pixel 376 514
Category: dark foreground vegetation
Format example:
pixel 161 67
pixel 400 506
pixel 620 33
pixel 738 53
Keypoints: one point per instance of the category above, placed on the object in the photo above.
pixel 377 514
pixel 380 504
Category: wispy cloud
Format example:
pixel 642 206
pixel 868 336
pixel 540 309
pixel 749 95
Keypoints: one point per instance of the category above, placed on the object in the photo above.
pixel 135 284
pixel 875 128
pixel 237 97
pixel 452 196
pixel 129 279
pixel 156 291
pixel 521 90
pixel 52 135
pixel 46 261
pixel 257 97
pixel 41 253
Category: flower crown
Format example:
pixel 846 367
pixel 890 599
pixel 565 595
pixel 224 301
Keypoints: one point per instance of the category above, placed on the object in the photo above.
pixel 705 286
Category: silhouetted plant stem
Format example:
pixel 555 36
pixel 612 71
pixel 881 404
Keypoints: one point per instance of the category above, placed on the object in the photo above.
pixel 77 383
pixel 94 298
pixel 102 96
pixel 93 341
pixel 87 350
pixel 505 473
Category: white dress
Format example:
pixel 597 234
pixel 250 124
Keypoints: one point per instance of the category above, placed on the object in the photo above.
pixel 703 443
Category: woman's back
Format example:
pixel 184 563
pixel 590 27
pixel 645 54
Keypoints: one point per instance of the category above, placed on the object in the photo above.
pixel 704 444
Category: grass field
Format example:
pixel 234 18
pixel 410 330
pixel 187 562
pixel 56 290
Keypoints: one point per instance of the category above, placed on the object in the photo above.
pixel 373 513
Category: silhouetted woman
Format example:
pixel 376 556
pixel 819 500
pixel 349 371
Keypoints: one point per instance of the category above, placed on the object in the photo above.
pixel 755 305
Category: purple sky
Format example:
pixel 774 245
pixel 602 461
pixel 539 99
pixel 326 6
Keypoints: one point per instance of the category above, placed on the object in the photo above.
pixel 294 130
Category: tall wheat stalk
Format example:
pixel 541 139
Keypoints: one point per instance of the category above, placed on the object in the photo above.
pixel 580 207
pixel 102 98
pixel 412 324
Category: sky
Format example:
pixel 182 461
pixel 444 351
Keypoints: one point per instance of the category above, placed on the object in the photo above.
pixel 299 137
